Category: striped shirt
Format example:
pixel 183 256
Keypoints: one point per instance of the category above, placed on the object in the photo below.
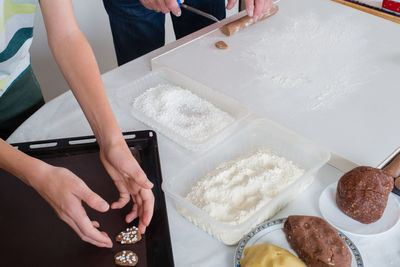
pixel 16 31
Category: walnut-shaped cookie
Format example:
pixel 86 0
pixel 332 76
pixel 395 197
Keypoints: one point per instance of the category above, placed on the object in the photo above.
pixel 126 258
pixel 129 236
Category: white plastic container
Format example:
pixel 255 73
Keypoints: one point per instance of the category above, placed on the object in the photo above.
pixel 127 94
pixel 258 134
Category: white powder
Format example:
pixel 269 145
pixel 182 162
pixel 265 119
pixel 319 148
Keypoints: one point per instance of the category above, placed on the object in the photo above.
pixel 183 112
pixel 316 59
pixel 237 189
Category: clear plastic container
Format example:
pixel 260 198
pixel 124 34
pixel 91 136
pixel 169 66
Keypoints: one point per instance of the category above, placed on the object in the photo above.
pixel 259 134
pixel 127 94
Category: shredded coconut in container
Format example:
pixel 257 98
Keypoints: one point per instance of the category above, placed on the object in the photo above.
pixel 236 190
pixel 183 112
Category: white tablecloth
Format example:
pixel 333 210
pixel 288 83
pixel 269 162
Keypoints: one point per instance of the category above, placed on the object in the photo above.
pixel 62 118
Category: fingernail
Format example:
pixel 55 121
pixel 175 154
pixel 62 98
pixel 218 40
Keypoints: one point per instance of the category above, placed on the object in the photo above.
pixel 250 13
pixel 105 206
pixel 149 184
pixel 179 14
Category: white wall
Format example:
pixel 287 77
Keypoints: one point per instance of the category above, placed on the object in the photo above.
pixel 93 21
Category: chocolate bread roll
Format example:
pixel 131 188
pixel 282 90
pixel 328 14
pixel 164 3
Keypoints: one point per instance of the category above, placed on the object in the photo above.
pixel 316 242
pixel 363 192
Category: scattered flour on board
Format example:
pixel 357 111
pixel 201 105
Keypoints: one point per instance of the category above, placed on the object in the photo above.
pixel 182 111
pixel 316 58
pixel 237 189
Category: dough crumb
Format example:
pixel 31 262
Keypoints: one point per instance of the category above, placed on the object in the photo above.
pixel 221 45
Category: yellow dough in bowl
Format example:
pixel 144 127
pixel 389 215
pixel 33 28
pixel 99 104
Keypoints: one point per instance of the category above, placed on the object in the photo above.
pixel 268 255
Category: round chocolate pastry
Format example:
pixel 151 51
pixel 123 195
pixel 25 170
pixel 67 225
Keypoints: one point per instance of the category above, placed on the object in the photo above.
pixel 363 192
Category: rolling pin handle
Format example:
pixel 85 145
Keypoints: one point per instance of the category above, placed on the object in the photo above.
pixel 393 169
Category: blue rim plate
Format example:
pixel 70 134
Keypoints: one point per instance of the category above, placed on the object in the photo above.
pixel 271 231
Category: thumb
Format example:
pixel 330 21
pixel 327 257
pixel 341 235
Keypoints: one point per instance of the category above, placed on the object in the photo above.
pixel 94 200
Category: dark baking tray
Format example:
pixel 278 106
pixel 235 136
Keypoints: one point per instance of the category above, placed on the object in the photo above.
pixel 31 233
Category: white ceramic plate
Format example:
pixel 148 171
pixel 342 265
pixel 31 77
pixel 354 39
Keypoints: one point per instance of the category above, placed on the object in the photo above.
pixel 331 213
pixel 271 232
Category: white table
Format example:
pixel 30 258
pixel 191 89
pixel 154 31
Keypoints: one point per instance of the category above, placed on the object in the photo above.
pixel 362 125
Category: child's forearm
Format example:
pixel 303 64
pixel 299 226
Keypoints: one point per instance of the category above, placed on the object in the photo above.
pixel 26 168
pixel 77 62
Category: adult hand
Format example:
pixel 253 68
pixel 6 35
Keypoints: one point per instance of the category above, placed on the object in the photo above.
pixel 164 6
pixel 64 191
pixel 131 181
pixel 255 8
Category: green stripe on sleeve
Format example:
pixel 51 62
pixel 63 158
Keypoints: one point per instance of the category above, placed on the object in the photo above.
pixel 15 43
pixel 11 9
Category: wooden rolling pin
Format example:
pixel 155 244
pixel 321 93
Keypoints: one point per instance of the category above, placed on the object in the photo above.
pixel 244 22
pixel 393 169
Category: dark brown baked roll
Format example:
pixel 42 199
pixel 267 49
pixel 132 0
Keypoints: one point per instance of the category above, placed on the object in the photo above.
pixel 316 242
pixel 362 193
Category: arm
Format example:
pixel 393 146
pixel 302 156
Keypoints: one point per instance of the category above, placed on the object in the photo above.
pixel 75 58
pixel 61 189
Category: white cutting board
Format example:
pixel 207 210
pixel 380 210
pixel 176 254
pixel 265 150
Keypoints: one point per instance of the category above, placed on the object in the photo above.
pixel 329 72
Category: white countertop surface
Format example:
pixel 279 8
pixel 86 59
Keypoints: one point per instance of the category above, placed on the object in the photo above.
pixel 321 69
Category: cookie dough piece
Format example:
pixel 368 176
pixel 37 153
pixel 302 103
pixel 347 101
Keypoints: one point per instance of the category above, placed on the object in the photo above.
pixel 221 45
pixel 316 242
pixel 129 236
pixel 363 192
pixel 126 258
pixel 268 255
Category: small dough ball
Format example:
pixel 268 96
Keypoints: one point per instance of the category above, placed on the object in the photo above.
pixel 268 255
pixel 221 45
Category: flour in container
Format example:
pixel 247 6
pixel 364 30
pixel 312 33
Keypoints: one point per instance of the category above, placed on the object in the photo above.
pixel 183 112
pixel 237 189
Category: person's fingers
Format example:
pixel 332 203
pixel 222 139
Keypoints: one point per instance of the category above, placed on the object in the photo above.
pixel 249 7
pixel 135 210
pixel 92 199
pixel 142 227
pixel 173 6
pixel 139 203
pixel 147 214
pixel 267 6
pixel 162 6
pixel 258 8
pixel 132 215
pixel 121 202
pixel 89 233
pixel 85 238
pixel 148 207
pixel 124 195
pixel 231 4
pixel 96 224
